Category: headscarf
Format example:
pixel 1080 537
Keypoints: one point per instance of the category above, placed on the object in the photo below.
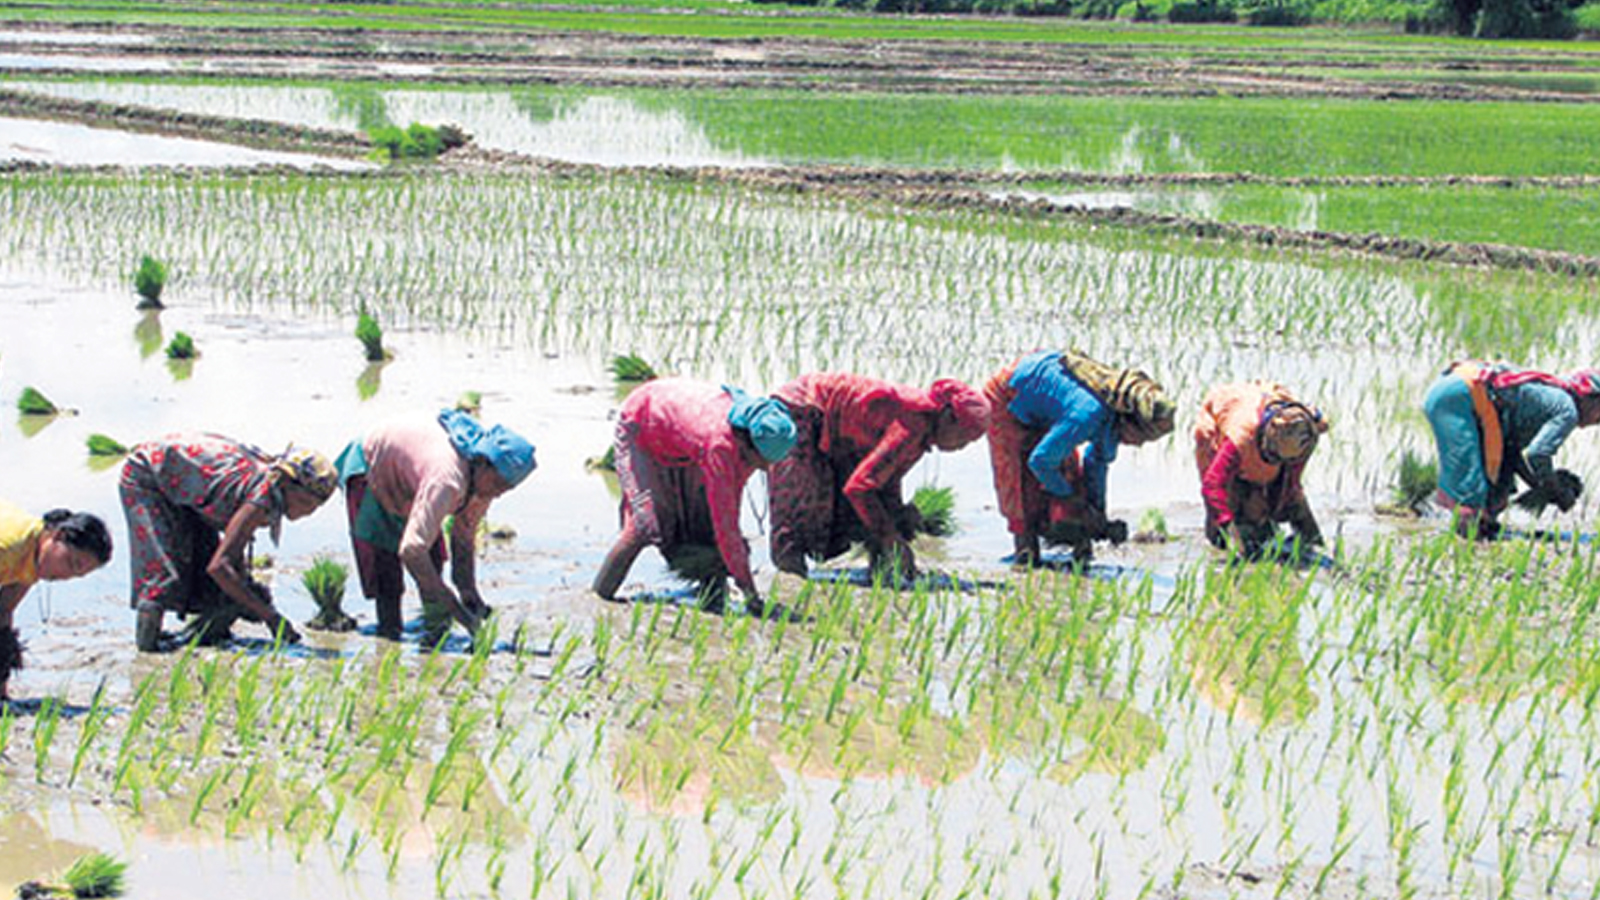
pixel 308 470
pixel 1581 383
pixel 766 420
pixel 969 407
pixel 1289 430
pixel 510 453
pixel 1139 400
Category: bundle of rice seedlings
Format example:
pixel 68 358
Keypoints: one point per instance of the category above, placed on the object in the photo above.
pixel 1152 528
pixel 102 445
pixel 1415 481
pixel 93 875
pixel 33 403
pixel 632 369
pixel 149 280
pixel 370 334
pixel 181 347
pixel 324 580
pixel 937 508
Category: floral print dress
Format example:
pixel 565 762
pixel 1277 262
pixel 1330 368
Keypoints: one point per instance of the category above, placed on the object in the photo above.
pixel 179 494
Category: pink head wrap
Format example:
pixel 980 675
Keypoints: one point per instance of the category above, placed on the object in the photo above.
pixel 968 406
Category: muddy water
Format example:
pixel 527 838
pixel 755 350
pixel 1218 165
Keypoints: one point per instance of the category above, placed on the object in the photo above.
pixel 32 140
pixel 1175 757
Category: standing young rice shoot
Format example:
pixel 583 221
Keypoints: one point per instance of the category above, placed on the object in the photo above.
pixel 149 280
pixel 370 334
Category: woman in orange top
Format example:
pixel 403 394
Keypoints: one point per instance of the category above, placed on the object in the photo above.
pixel 1251 443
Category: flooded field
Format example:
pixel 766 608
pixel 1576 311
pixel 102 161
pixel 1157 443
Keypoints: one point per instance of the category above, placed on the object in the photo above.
pixel 1112 135
pixel 1407 716
pixel 1161 726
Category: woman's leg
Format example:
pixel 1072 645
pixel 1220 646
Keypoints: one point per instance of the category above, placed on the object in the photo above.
pixel 1463 482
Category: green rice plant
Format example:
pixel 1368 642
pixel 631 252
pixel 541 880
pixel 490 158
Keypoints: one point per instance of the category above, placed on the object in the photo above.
pixel 149 280
pixel 936 507
pixel 1415 481
pixel 370 334
pixel 181 347
pixel 33 403
pixel 324 580
pixel 104 446
pixel 1152 528
pixel 92 875
pixel 415 142
pixel 632 369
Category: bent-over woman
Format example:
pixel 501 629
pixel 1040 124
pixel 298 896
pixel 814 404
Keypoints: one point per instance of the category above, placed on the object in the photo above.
pixel 1057 421
pixel 194 503
pixel 55 547
pixel 401 481
pixel 856 438
pixel 684 451
pixel 1494 423
pixel 1251 444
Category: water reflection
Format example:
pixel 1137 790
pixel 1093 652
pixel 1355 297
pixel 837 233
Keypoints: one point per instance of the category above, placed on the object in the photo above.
pixel 370 381
pixel 147 333
pixel 29 851
pixel 1242 646
pixel 68 144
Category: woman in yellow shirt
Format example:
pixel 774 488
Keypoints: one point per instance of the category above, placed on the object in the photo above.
pixel 58 546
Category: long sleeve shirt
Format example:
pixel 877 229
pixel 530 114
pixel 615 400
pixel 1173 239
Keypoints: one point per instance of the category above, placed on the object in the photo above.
pixel 1047 397
pixel 415 473
pixel 1536 419
pixel 685 423
pixel 878 428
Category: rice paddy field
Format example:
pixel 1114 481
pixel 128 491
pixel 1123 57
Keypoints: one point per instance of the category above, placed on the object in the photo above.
pixel 1407 716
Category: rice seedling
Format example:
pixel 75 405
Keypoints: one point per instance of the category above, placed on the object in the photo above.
pixel 936 510
pixel 102 445
pixel 149 280
pixel 415 142
pixel 181 347
pixel 1415 481
pixel 370 334
pixel 33 403
pixel 92 875
pixel 324 580
pixel 632 369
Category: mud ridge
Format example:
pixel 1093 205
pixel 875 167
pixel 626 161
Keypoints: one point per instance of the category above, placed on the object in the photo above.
pixel 256 133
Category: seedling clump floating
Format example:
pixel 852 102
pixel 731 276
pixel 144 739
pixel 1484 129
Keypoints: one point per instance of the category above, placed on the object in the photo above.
pixel 33 403
pixel 370 334
pixel 149 280
pixel 181 347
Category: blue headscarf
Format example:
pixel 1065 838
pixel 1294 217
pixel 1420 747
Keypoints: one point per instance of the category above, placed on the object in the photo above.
pixel 766 420
pixel 509 452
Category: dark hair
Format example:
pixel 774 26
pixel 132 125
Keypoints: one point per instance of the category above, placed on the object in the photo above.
pixel 81 531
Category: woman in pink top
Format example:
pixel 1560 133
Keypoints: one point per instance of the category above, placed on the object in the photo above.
pixel 857 437
pixel 1251 443
pixel 400 482
pixel 684 451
